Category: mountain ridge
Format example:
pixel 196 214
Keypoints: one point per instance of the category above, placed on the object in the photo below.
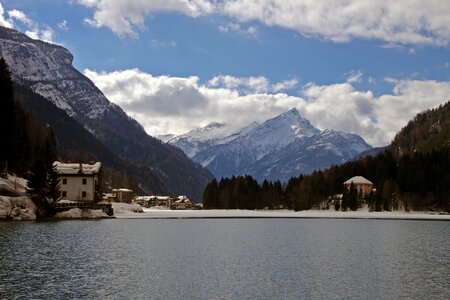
pixel 281 147
pixel 47 70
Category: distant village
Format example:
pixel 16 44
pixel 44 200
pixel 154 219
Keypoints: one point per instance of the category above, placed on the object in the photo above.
pixel 79 187
pixel 79 184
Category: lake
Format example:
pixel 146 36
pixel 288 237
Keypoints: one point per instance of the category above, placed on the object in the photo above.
pixel 225 259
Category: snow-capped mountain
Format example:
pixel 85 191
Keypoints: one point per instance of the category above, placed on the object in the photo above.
pixel 317 152
pixel 285 146
pixel 200 139
pixel 47 69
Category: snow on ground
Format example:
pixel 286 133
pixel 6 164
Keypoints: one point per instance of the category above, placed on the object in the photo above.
pixel 125 208
pixel 325 214
pixel 76 213
pixel 17 208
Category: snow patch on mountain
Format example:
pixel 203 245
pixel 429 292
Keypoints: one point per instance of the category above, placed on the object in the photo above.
pixel 285 146
pixel 47 70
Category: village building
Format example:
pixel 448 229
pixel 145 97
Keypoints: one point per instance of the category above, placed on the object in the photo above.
pixel 123 195
pixel 109 197
pixel 161 201
pixel 145 201
pixel 182 202
pixel 77 181
pixel 362 185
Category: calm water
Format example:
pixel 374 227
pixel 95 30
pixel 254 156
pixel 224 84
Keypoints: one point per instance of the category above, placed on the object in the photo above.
pixel 225 259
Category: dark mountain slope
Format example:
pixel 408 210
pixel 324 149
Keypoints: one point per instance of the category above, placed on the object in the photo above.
pixel 73 140
pixel 47 70
pixel 428 131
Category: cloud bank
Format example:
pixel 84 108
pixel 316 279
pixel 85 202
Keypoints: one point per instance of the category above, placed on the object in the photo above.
pixel 411 22
pixel 125 17
pixel 34 31
pixel 164 104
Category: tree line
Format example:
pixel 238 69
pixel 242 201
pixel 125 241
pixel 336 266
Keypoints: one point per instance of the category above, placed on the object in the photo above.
pixel 413 173
pixel 27 149
pixel 417 181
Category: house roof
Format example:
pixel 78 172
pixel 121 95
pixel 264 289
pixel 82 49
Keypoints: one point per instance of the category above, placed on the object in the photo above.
pixel 358 180
pixel 122 190
pixel 77 168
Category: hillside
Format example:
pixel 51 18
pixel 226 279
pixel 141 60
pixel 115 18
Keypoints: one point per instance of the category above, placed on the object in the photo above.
pixel 47 70
pixel 75 143
pixel 428 131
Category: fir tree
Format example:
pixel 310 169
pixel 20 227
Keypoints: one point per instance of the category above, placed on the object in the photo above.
pixel 37 185
pixel 53 188
pixel 352 198
pixel 7 113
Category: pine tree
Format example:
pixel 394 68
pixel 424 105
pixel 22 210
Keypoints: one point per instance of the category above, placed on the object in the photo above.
pixel 43 181
pixel 7 113
pixel 37 185
pixel 352 198
pixel 210 195
pixel 53 189
pixel 345 198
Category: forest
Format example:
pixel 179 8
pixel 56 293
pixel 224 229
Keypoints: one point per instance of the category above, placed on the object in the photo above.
pixel 27 148
pixel 413 173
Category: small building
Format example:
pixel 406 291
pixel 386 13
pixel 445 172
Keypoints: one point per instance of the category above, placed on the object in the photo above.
pixel 77 181
pixel 123 195
pixel 182 202
pixel 362 185
pixel 109 197
pixel 144 201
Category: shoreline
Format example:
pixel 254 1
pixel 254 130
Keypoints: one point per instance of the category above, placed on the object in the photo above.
pixel 282 214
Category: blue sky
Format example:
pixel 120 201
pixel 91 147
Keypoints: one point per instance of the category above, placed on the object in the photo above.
pixel 341 63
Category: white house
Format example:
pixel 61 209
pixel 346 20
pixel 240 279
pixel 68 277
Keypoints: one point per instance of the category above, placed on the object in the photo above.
pixel 362 185
pixel 78 181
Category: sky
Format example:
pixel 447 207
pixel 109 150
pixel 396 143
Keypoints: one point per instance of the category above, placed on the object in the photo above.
pixel 360 66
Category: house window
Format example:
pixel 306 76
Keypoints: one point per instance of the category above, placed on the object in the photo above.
pixel 64 194
pixel 64 181
pixel 84 180
pixel 83 194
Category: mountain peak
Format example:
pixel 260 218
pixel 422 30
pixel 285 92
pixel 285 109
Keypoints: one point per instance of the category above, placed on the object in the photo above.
pixel 292 121
pixel 215 125
pixel 293 110
pixel 47 70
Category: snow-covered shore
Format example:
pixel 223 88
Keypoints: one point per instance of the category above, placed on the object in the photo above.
pixel 76 213
pixel 17 208
pixel 313 214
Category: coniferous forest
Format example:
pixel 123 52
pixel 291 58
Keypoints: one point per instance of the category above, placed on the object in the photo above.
pixel 27 148
pixel 412 174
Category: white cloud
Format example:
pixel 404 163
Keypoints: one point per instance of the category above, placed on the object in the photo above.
pixel 34 30
pixel 166 104
pixel 402 22
pixel 284 85
pixel 250 31
pixel 20 15
pixel 63 25
pixel 354 76
pixel 251 85
pixel 259 84
pixel 125 17
pixel 4 22
pixel 45 34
